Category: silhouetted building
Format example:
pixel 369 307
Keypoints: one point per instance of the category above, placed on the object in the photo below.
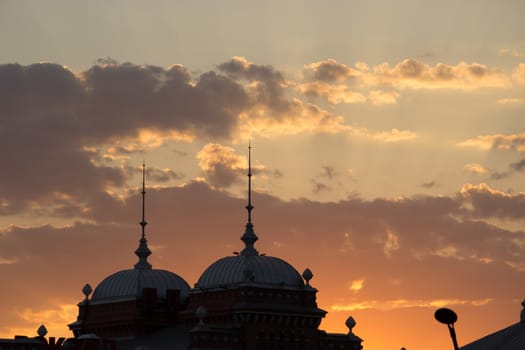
pixel 510 338
pixel 22 342
pixel 245 301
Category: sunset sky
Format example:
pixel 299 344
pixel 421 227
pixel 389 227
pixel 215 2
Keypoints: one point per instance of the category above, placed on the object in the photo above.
pixel 388 147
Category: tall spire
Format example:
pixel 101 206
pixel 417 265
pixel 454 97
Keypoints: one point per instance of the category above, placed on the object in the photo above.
pixel 249 207
pixel 249 237
pixel 143 251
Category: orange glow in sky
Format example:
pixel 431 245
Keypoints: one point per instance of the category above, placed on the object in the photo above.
pixel 388 153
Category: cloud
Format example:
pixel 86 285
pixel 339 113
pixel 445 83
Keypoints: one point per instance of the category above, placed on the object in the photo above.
pixel 357 285
pixel 319 187
pixel 405 304
pixel 510 101
pixel 381 97
pixel 380 85
pixel 4 261
pixel 510 53
pixel 58 120
pixel 475 169
pixel 519 73
pixel 154 174
pixel 334 94
pixel 496 175
pixel 328 179
pixel 330 71
pixel 514 142
pixel 221 165
pixel 414 74
pixel 488 202
pixel 391 243
pixel 70 128
pixel 430 184
pixel 394 135
pixel 267 85
pixel 402 239
pixel 518 166
pixel 329 172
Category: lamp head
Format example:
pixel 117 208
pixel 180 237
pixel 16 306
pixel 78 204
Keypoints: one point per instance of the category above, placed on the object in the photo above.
pixel 445 316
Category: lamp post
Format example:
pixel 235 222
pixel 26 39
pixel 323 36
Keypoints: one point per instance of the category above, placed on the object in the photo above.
pixel 448 317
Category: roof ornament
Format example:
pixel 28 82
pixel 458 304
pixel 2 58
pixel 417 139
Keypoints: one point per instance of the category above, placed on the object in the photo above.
pixel 41 331
pixel 143 251
pixel 308 275
pixel 249 237
pixel 87 291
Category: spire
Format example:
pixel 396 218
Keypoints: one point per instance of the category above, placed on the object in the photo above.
pixel 249 237
pixel 143 251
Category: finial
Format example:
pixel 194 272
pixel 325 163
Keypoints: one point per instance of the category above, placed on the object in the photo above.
pixel 350 323
pixel 249 237
pixel 308 275
pixel 201 314
pixel 143 251
pixel 41 331
pixel 87 291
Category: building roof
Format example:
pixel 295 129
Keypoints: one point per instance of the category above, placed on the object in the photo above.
pixel 510 338
pixel 128 284
pixel 259 269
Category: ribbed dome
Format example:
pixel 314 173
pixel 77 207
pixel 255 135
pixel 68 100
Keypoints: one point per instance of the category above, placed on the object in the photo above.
pixel 258 269
pixel 129 284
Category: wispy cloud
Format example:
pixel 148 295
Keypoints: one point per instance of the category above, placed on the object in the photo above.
pixel 510 53
pixel 357 285
pixel 334 94
pixel 519 73
pixel 407 303
pixel 7 261
pixel 475 169
pixel 514 142
pixel 414 74
pixel 512 101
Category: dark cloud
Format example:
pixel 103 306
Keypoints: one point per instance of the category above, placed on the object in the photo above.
pixel 51 119
pixel 329 172
pixel 429 184
pixel 487 202
pixel 514 167
pixel 270 89
pixel 411 68
pixel 319 187
pixel 325 179
pixel 330 71
pixel 123 98
pixel 518 166
pixel 154 174
pixel 497 175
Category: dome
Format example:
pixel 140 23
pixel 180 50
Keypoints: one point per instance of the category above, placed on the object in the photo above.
pixel 259 269
pixel 129 284
pixel 249 266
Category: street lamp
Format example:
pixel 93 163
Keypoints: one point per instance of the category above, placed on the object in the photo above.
pixel 448 317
